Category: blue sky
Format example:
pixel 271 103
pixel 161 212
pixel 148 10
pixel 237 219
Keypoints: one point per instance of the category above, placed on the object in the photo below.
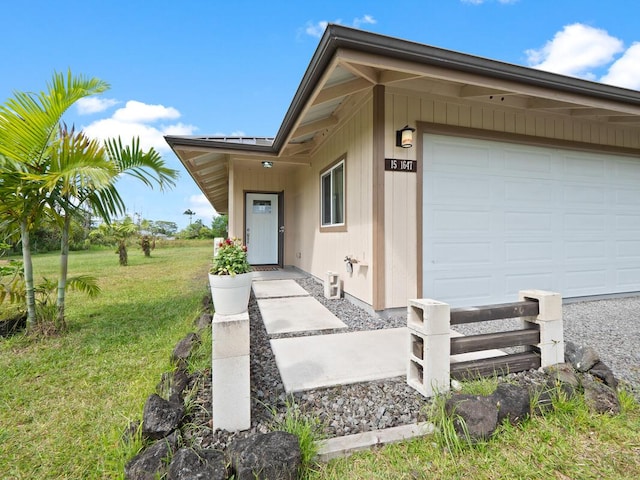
pixel 231 68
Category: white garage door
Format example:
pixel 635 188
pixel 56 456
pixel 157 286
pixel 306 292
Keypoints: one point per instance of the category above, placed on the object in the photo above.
pixel 502 217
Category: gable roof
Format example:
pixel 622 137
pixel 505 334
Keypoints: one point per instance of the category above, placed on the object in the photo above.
pixel 348 63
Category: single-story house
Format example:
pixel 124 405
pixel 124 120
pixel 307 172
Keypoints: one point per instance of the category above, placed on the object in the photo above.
pixel 515 178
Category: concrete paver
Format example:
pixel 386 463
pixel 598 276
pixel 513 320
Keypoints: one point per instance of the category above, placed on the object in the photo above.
pixel 278 288
pixel 296 314
pixel 318 361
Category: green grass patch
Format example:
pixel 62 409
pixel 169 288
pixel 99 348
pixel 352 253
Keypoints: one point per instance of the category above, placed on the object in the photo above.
pixel 567 443
pixel 65 400
pixel 307 428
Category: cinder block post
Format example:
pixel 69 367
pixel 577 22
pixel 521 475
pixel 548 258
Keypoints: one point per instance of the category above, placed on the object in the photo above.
pixel 429 346
pixel 332 288
pixel 550 321
pixel 230 371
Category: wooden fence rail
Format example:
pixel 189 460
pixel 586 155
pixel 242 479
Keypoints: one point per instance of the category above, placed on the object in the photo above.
pixel 431 366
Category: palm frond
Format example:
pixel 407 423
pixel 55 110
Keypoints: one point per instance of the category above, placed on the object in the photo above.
pixel 86 284
pixel 148 167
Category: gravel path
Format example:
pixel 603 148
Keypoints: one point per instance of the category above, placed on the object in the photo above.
pixel 612 327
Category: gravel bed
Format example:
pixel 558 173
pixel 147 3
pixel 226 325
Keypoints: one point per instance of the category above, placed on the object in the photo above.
pixel 612 327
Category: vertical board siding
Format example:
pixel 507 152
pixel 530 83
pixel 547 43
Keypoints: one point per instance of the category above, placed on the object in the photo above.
pixel 400 188
pixel 318 252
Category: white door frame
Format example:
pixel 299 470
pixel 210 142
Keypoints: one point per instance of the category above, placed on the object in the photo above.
pixel 274 257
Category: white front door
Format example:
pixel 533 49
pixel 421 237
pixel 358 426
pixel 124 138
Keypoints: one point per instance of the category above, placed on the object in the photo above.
pixel 261 235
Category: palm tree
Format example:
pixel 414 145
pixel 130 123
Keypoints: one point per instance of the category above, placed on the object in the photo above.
pixel 28 127
pixel 83 172
pixel 49 169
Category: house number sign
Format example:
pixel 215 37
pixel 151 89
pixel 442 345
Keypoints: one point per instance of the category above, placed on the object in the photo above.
pixel 394 165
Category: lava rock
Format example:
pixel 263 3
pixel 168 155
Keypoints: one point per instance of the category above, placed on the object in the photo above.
pixel 513 403
pixel 473 415
pixel 582 358
pixel 179 383
pixel 203 321
pixel 184 347
pixel 603 372
pixel 189 464
pixel 160 417
pixel 151 463
pixel 600 398
pixel 562 375
pixel 266 456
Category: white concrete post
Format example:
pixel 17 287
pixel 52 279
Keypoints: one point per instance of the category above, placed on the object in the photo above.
pixel 550 321
pixel 429 346
pixel 230 371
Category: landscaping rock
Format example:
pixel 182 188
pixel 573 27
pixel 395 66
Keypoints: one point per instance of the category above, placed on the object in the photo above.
pixel 184 347
pixel 189 464
pixel 513 403
pixel 14 325
pixel 562 375
pixel 600 398
pixel 479 414
pixel 203 321
pixel 160 417
pixel 151 463
pixel 603 372
pixel 179 383
pixel 582 358
pixel 274 455
pixel 543 399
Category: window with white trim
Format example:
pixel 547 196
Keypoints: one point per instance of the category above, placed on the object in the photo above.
pixel 332 196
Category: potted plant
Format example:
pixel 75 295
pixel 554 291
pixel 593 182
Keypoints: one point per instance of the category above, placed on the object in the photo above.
pixel 230 278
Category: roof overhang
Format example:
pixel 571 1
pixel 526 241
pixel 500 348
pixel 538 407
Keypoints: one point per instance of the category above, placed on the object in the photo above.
pixel 349 62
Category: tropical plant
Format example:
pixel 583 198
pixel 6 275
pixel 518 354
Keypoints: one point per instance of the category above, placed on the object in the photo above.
pixel 122 232
pixel 12 289
pixel 231 258
pixel 69 170
pixel 29 123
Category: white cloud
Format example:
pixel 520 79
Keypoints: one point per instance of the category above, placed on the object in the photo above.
pixel 136 119
pixel 89 105
pixel 576 50
pixel 135 111
pixel 317 29
pixel 625 72
pixel 202 208
pixel 364 20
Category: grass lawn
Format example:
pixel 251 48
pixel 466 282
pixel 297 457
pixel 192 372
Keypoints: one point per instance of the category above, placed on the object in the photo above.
pixel 568 444
pixel 64 401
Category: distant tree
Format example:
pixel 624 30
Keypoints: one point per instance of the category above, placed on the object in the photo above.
pixel 146 244
pixel 196 230
pixel 189 212
pixel 122 232
pixel 219 226
pixel 165 228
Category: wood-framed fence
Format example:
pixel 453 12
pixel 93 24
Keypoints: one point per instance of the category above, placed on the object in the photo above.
pixel 431 365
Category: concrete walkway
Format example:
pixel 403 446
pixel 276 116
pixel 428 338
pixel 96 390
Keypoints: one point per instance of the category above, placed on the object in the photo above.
pixel 316 361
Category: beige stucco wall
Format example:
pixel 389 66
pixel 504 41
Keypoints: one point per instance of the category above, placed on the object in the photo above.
pixel 403 108
pixel 317 252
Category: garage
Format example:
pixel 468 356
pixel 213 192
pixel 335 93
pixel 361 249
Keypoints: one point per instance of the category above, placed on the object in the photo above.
pixel 500 217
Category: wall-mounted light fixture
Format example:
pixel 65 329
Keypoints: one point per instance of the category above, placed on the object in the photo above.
pixel 404 137
pixel 267 164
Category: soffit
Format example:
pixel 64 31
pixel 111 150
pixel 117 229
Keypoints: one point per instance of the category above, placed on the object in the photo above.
pixel 341 76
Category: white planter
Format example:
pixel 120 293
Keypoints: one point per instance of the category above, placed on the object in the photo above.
pixel 230 294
